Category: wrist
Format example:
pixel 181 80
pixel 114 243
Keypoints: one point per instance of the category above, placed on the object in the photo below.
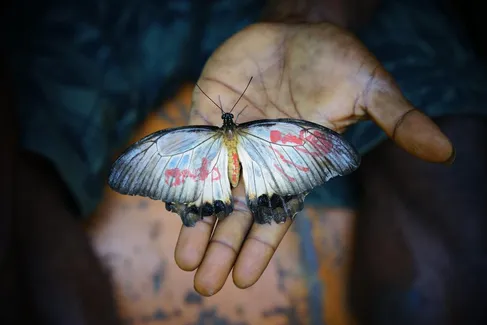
pixel 345 14
pixel 296 11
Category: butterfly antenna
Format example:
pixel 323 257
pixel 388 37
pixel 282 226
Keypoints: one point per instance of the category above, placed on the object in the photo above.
pixel 242 94
pixel 220 101
pixel 236 119
pixel 221 109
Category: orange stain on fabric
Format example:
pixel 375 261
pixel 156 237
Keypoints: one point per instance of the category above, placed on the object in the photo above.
pixel 135 238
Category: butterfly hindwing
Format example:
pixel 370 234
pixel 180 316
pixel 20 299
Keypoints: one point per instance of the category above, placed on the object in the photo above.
pixel 185 167
pixel 283 159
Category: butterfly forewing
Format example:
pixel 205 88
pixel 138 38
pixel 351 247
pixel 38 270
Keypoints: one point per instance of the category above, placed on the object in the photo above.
pixel 283 159
pixel 186 167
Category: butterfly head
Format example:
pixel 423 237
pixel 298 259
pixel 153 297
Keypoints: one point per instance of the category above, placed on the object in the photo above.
pixel 228 119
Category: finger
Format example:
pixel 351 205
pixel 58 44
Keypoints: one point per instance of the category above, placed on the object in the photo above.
pixel 192 244
pixel 258 249
pixel 223 249
pixel 408 127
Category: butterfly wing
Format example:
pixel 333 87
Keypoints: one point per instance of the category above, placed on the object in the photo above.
pixel 184 167
pixel 283 159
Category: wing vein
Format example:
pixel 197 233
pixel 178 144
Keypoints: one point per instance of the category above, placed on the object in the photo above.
pixel 149 188
pixel 190 149
pixel 132 179
pixel 293 185
pixel 263 159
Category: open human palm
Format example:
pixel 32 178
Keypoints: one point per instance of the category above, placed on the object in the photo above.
pixel 315 72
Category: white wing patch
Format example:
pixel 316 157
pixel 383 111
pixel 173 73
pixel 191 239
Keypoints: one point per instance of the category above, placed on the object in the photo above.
pixel 282 160
pixel 186 167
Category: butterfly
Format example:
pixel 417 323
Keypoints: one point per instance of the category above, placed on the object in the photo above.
pixel 194 168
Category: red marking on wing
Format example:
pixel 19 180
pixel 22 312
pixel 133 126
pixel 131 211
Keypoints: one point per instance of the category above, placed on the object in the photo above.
pixel 317 139
pixel 178 176
pixel 289 162
pixel 199 174
pixel 280 170
pixel 203 170
pixel 215 175
pixel 306 151
pixel 277 136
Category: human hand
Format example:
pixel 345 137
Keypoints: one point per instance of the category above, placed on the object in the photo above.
pixel 316 72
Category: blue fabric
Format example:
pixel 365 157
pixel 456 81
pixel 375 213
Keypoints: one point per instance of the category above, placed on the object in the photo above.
pixel 87 72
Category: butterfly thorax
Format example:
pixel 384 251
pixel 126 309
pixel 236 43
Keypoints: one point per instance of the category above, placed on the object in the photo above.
pixel 231 141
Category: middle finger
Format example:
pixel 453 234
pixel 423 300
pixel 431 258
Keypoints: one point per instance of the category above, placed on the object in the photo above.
pixel 224 247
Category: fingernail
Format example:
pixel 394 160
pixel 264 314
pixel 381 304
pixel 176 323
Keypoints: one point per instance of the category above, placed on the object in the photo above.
pixel 453 155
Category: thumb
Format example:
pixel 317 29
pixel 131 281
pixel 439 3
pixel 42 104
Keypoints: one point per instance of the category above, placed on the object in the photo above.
pixel 408 127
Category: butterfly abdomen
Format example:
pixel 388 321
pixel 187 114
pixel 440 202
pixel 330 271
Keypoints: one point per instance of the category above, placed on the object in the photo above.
pixel 230 141
pixel 233 167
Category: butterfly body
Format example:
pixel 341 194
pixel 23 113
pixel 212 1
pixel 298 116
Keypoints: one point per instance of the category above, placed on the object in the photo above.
pixel 194 168
pixel 231 142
